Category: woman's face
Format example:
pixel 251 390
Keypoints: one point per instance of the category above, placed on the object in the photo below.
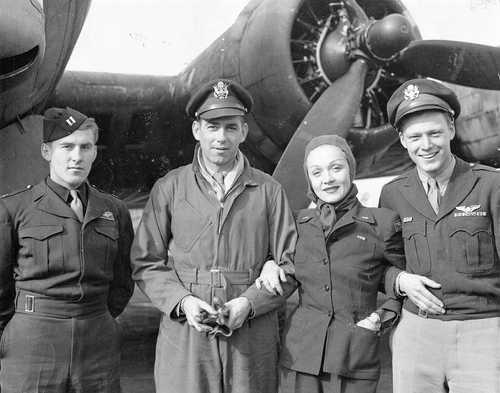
pixel 328 173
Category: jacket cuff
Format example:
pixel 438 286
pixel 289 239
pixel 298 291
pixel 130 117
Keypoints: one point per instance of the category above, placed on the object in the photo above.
pixel 391 276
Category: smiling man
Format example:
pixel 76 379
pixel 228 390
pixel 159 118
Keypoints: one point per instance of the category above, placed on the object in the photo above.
pixel 205 234
pixel 64 271
pixel 448 336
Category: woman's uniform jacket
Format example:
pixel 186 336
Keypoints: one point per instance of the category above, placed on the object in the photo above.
pixel 339 281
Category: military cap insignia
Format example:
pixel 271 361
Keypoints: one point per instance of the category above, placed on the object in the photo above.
pixel 107 215
pixel 70 120
pixel 411 92
pixel 220 90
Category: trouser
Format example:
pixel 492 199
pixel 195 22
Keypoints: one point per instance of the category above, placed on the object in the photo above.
pixel 190 361
pixel 296 382
pixel 434 356
pixel 57 355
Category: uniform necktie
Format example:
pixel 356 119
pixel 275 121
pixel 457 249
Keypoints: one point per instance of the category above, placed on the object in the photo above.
pixel 220 189
pixel 76 204
pixel 433 194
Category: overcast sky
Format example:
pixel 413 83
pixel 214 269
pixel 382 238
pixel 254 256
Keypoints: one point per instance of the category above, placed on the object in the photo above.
pixel 162 36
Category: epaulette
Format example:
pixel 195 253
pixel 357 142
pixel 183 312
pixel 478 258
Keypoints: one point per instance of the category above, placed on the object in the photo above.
pixel 479 167
pixel 398 178
pixel 28 187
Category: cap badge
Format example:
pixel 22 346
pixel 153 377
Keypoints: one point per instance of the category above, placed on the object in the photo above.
pixel 70 120
pixel 411 92
pixel 220 90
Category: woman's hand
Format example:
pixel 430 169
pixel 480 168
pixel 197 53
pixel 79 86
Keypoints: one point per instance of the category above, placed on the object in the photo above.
pixel 371 322
pixel 271 277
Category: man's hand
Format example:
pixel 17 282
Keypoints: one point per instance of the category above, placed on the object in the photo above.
pixel 239 308
pixel 414 286
pixel 270 277
pixel 193 307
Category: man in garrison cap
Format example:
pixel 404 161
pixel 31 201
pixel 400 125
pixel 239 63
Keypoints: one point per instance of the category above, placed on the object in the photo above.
pixel 64 271
pixel 206 231
pixel 448 336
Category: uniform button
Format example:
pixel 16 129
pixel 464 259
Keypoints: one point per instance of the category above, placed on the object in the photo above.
pixel 327 287
pixel 329 313
pixel 325 261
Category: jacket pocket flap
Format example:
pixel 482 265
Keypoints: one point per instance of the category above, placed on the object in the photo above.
pixel 108 231
pixel 41 232
pixel 413 228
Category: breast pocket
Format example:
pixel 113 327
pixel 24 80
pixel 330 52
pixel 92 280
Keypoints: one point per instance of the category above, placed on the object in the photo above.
pixel 417 252
pixel 188 224
pixel 104 247
pixel 41 249
pixel 472 247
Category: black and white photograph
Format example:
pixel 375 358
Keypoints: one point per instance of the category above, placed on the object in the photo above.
pixel 250 196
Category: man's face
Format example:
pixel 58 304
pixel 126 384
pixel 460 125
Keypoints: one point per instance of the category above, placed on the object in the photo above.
pixel 219 140
pixel 71 158
pixel 427 137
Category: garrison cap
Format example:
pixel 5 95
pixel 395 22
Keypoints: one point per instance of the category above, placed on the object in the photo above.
pixel 418 95
pixel 218 98
pixel 61 122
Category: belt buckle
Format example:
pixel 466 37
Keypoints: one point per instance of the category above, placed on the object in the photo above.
pixel 422 313
pixel 29 305
pixel 215 279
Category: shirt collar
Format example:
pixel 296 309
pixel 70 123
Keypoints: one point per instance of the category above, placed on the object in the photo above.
pixel 229 176
pixel 442 179
pixel 63 192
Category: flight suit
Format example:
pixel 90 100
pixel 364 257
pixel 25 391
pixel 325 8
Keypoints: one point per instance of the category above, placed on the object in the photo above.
pixel 190 243
pixel 62 283
pixel 458 248
pixel 339 280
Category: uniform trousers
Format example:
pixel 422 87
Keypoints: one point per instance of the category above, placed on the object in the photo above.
pixel 434 356
pixel 296 382
pixel 60 355
pixel 190 361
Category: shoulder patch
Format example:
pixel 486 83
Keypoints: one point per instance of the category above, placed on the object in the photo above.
pixel 27 188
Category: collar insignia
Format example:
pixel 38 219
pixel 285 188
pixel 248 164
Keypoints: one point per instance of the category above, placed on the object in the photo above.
pixel 407 219
pixel 220 90
pixel 411 92
pixel 107 215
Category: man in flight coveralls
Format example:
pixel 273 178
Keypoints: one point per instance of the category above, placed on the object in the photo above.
pixel 205 233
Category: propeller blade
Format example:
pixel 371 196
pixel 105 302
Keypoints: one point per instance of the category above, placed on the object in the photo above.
pixel 462 63
pixel 332 113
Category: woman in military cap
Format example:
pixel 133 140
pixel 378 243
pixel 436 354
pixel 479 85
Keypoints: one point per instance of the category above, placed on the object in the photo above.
pixel 331 339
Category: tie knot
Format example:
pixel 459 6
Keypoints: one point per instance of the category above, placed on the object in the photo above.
pixel 73 195
pixel 432 183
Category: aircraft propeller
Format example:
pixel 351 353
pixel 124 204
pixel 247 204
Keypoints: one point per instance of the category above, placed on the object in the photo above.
pixel 348 47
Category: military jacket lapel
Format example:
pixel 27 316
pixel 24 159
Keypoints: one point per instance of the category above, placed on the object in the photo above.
pixel 414 193
pixel 461 184
pixel 47 200
pixel 96 208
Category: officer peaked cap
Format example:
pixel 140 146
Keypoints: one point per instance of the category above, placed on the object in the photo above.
pixel 219 98
pixel 419 95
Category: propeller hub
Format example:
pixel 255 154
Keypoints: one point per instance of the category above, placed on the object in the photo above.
pixel 333 56
pixel 384 38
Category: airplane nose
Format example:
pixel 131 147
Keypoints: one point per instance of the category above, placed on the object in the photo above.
pixel 22 33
